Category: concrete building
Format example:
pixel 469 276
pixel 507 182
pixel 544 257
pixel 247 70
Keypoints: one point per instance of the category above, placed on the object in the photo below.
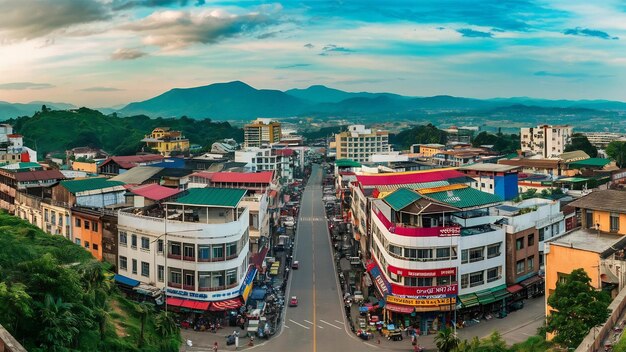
pixel 29 178
pixel 497 179
pixel 359 143
pixel 116 165
pixel 166 141
pixel 268 159
pixel 546 140
pixel 261 132
pixel 427 150
pixel 96 192
pixel 195 248
pixel 602 139
pixel 96 231
pixel 225 146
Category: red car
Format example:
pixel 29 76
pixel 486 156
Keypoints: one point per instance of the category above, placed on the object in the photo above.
pixel 293 302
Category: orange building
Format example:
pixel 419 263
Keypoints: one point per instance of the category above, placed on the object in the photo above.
pixel 87 230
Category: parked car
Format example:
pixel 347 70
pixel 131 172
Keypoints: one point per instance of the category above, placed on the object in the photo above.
pixel 295 265
pixel 293 302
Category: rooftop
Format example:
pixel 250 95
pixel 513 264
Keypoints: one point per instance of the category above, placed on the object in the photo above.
pixel 605 200
pixel 346 163
pixel 154 192
pixel 137 175
pixel 243 177
pixel 591 241
pixel 401 198
pixel 210 196
pixel 573 156
pixel 489 167
pixel 465 198
pixel 22 166
pixel 538 163
pixel 130 161
pixel 591 162
pixel 90 184
pixel 39 175
pixel 409 177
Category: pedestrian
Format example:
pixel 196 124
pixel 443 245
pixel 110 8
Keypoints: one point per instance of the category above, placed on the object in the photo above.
pixel 215 346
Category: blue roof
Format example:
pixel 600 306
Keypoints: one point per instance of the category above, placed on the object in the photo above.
pixel 126 280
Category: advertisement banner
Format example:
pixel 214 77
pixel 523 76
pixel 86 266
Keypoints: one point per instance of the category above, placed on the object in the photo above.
pixel 421 302
pixel 381 283
pixel 422 273
pixel 419 292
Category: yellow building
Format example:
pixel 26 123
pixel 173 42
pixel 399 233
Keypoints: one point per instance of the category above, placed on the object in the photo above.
pixel 429 150
pixel 359 143
pixel 597 247
pixel 166 141
pixel 261 132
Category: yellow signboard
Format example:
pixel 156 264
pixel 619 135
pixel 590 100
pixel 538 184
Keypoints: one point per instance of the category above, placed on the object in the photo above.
pixel 421 302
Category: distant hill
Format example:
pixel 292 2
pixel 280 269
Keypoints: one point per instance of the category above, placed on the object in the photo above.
pixel 10 110
pixel 221 101
pixel 323 94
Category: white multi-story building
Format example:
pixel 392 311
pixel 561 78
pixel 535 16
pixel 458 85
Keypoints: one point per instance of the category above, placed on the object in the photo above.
pixel 267 159
pixel 359 143
pixel 602 139
pixel 195 248
pixel 545 140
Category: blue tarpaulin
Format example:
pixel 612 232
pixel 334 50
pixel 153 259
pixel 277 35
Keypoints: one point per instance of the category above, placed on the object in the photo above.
pixel 258 294
pixel 126 280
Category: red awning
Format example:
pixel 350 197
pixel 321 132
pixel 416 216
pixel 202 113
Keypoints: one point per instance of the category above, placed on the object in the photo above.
pixel 188 304
pixel 514 288
pixel 201 305
pixel 399 309
pixel 228 304
pixel 174 302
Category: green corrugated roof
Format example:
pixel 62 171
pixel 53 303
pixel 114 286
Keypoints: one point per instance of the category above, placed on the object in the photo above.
pixel 468 300
pixel 422 185
pixel 89 184
pixel 219 197
pixel 23 165
pixel 573 179
pixel 347 163
pixel 591 162
pixel 465 197
pixel 401 198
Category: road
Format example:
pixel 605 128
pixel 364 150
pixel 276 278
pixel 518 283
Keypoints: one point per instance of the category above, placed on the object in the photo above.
pixel 318 322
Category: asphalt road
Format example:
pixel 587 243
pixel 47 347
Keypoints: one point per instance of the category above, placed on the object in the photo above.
pixel 318 322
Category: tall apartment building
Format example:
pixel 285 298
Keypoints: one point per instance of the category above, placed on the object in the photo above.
pixel 359 143
pixel 545 140
pixel 261 132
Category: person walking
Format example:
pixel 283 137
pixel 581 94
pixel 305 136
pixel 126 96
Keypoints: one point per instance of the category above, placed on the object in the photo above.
pixel 215 346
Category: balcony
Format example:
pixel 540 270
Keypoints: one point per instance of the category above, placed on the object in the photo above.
pixel 471 231
pixel 174 285
pixel 189 287
pixel 174 256
pixel 414 231
pixel 189 259
pixel 217 288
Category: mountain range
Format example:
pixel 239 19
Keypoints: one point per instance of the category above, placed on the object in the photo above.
pixel 238 101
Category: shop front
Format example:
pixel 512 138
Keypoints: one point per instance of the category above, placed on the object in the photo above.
pixel 485 304
pixel 534 286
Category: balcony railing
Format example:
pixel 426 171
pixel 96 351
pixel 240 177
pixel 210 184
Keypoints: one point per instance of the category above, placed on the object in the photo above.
pixel 189 259
pixel 413 231
pixel 174 284
pixel 189 287
pixel 175 256
pixel 217 288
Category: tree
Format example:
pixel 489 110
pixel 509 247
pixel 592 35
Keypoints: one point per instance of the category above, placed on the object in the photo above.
pixel 165 324
pixel 58 325
pixel 15 305
pixel 580 142
pixel 494 343
pixel 446 341
pixel 469 346
pixel 576 308
pixel 419 135
pixel 617 151
pixel 143 309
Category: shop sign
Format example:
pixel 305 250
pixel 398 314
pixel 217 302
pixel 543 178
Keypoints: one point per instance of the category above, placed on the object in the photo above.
pixel 383 286
pixel 246 287
pixel 449 231
pixel 421 302
pixel 187 293
pixel 424 291
pixel 422 273
pixel 618 176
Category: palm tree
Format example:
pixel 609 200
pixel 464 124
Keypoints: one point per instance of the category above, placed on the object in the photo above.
pixel 143 309
pixel 59 325
pixel 446 341
pixel 165 324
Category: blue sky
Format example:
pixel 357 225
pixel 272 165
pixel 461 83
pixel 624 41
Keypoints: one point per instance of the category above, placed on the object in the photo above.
pixel 108 52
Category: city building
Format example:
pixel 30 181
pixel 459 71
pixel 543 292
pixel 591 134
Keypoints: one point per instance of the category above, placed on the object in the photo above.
pixel 427 150
pixel 430 245
pixel 148 194
pixel 166 141
pixel 29 178
pixel 267 159
pixel 96 231
pixel 116 165
pixel 96 192
pixel 602 139
pixel 261 132
pixel 546 140
pixel 225 146
pixel 460 156
pixel 56 218
pixel 12 148
pixel 195 248
pixel 497 179
pixel 359 143
pixel 602 210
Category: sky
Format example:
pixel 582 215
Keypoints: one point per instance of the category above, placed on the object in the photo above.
pixel 102 53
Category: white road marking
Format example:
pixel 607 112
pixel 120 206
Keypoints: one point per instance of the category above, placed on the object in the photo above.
pixel 327 323
pixel 286 326
pixel 295 322
pixel 309 322
pixel 319 326
pixel 340 322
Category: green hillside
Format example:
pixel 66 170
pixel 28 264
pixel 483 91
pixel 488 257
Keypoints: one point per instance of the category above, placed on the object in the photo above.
pixel 59 130
pixel 55 297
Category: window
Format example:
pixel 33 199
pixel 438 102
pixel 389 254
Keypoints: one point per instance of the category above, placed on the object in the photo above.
pixel 86 244
pixel 410 253
pixel 123 263
pixel 145 243
pixel 231 250
pixel 204 280
pixel 464 280
pixel 188 251
pixel 76 221
pixel 189 279
pixel 519 266
pixel 77 241
pixel 531 239
pixel 589 219
pixel 531 263
pixel 160 246
pixel 123 239
pixel 542 234
pixel 231 277
pixel 464 257
pixel 95 226
pixel 133 241
pixel 555 229
pixel 134 266
pixel 424 253
pixel 476 254
pixel 445 280
pixel 160 271
pixel 53 218
pixel 218 251
pixel 418 281
pixel 493 274
pixel 519 243
pixel 86 225
pixel 477 278
pixel 493 250
pixel 614 222
pixel 204 252
pixel 395 250
pixel 443 253
pixel 145 269
pixel 176 276
pixel 45 215
pixel 61 220
pixel 95 247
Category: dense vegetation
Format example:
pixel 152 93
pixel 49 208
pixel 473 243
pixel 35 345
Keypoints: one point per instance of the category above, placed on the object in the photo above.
pixel 55 297
pixel 616 150
pixel 446 341
pixel 49 131
pixel 580 142
pixel 503 143
pixel 323 132
pixel 577 307
pixel 419 135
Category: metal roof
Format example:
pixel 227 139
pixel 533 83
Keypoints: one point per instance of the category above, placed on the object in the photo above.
pixel 210 196
pixel 591 162
pixel 465 198
pixel 409 177
pixel 401 198
pixel 89 184
pixel 489 167
pixel 347 163
pixel 606 200
pixel 137 175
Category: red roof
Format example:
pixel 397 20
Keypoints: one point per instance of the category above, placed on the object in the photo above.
pixel 407 178
pixel 130 161
pixel 40 175
pixel 14 135
pixel 243 177
pixel 203 174
pixel 284 152
pixel 154 191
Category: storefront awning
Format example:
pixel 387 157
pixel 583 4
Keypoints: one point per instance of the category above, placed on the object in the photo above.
pixel 399 309
pixel 174 302
pixel 531 281
pixel 469 300
pixel 500 293
pixel 228 304
pixel 188 304
pixel 515 288
pixel 126 280
pixel 485 297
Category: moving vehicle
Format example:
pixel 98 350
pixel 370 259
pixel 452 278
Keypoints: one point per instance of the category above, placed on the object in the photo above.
pixel 295 265
pixel 293 302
